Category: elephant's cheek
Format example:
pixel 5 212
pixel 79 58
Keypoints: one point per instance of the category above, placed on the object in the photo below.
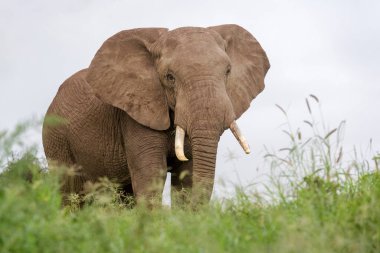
pixel 170 97
pixel 181 114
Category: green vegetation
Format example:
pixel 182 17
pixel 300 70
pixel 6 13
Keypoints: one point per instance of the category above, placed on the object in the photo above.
pixel 316 202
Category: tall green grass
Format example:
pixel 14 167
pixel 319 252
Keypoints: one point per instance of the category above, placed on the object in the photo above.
pixel 317 201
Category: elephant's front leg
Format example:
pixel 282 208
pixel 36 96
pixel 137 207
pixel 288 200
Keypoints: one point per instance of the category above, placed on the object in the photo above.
pixel 146 151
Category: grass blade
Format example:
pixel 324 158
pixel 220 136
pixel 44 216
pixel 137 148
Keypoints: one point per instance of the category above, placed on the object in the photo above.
pixel 281 109
pixel 314 97
pixel 330 133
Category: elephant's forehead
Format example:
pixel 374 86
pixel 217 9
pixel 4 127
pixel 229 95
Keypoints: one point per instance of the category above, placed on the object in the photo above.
pixel 197 58
pixel 192 45
pixel 188 37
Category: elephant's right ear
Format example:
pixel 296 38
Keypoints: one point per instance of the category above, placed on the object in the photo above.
pixel 249 64
pixel 123 74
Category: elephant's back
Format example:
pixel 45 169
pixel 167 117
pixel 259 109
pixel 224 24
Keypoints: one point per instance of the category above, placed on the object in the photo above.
pixel 74 98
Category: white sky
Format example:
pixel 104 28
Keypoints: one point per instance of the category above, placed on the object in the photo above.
pixel 327 48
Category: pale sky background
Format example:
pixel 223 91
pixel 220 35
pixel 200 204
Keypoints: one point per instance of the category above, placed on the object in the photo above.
pixel 327 48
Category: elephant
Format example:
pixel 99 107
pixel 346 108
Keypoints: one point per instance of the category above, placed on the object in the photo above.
pixel 154 100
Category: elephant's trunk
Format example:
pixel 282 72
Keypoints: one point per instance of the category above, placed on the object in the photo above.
pixel 203 112
pixel 204 149
pixel 204 104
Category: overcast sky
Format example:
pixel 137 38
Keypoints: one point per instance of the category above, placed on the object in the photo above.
pixel 327 48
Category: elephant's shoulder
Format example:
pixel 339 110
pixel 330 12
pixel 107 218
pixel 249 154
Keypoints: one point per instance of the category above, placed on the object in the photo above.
pixel 76 87
pixel 75 94
pixel 76 82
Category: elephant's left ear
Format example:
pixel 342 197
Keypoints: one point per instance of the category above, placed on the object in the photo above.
pixel 123 74
pixel 249 65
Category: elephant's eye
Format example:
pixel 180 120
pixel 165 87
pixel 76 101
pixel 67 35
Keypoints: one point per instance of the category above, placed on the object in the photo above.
pixel 170 78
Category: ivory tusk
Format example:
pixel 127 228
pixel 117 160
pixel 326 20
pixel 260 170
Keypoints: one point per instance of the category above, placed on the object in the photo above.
pixel 241 139
pixel 179 140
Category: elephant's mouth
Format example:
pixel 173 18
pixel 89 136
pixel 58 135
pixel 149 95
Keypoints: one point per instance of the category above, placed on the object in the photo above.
pixel 180 137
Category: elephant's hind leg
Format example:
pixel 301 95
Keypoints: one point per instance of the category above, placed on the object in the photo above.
pixel 60 158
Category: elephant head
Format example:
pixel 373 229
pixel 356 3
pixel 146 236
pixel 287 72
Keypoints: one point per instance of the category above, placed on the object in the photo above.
pixel 206 76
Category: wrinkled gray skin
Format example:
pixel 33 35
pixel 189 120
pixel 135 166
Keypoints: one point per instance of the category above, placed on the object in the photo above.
pixel 122 111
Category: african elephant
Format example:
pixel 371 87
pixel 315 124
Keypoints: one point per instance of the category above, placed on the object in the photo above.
pixel 144 85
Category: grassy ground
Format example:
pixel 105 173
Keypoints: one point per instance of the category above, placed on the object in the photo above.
pixel 315 203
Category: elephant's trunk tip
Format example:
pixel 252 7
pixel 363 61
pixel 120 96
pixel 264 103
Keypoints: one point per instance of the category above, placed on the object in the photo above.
pixel 241 139
pixel 179 140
